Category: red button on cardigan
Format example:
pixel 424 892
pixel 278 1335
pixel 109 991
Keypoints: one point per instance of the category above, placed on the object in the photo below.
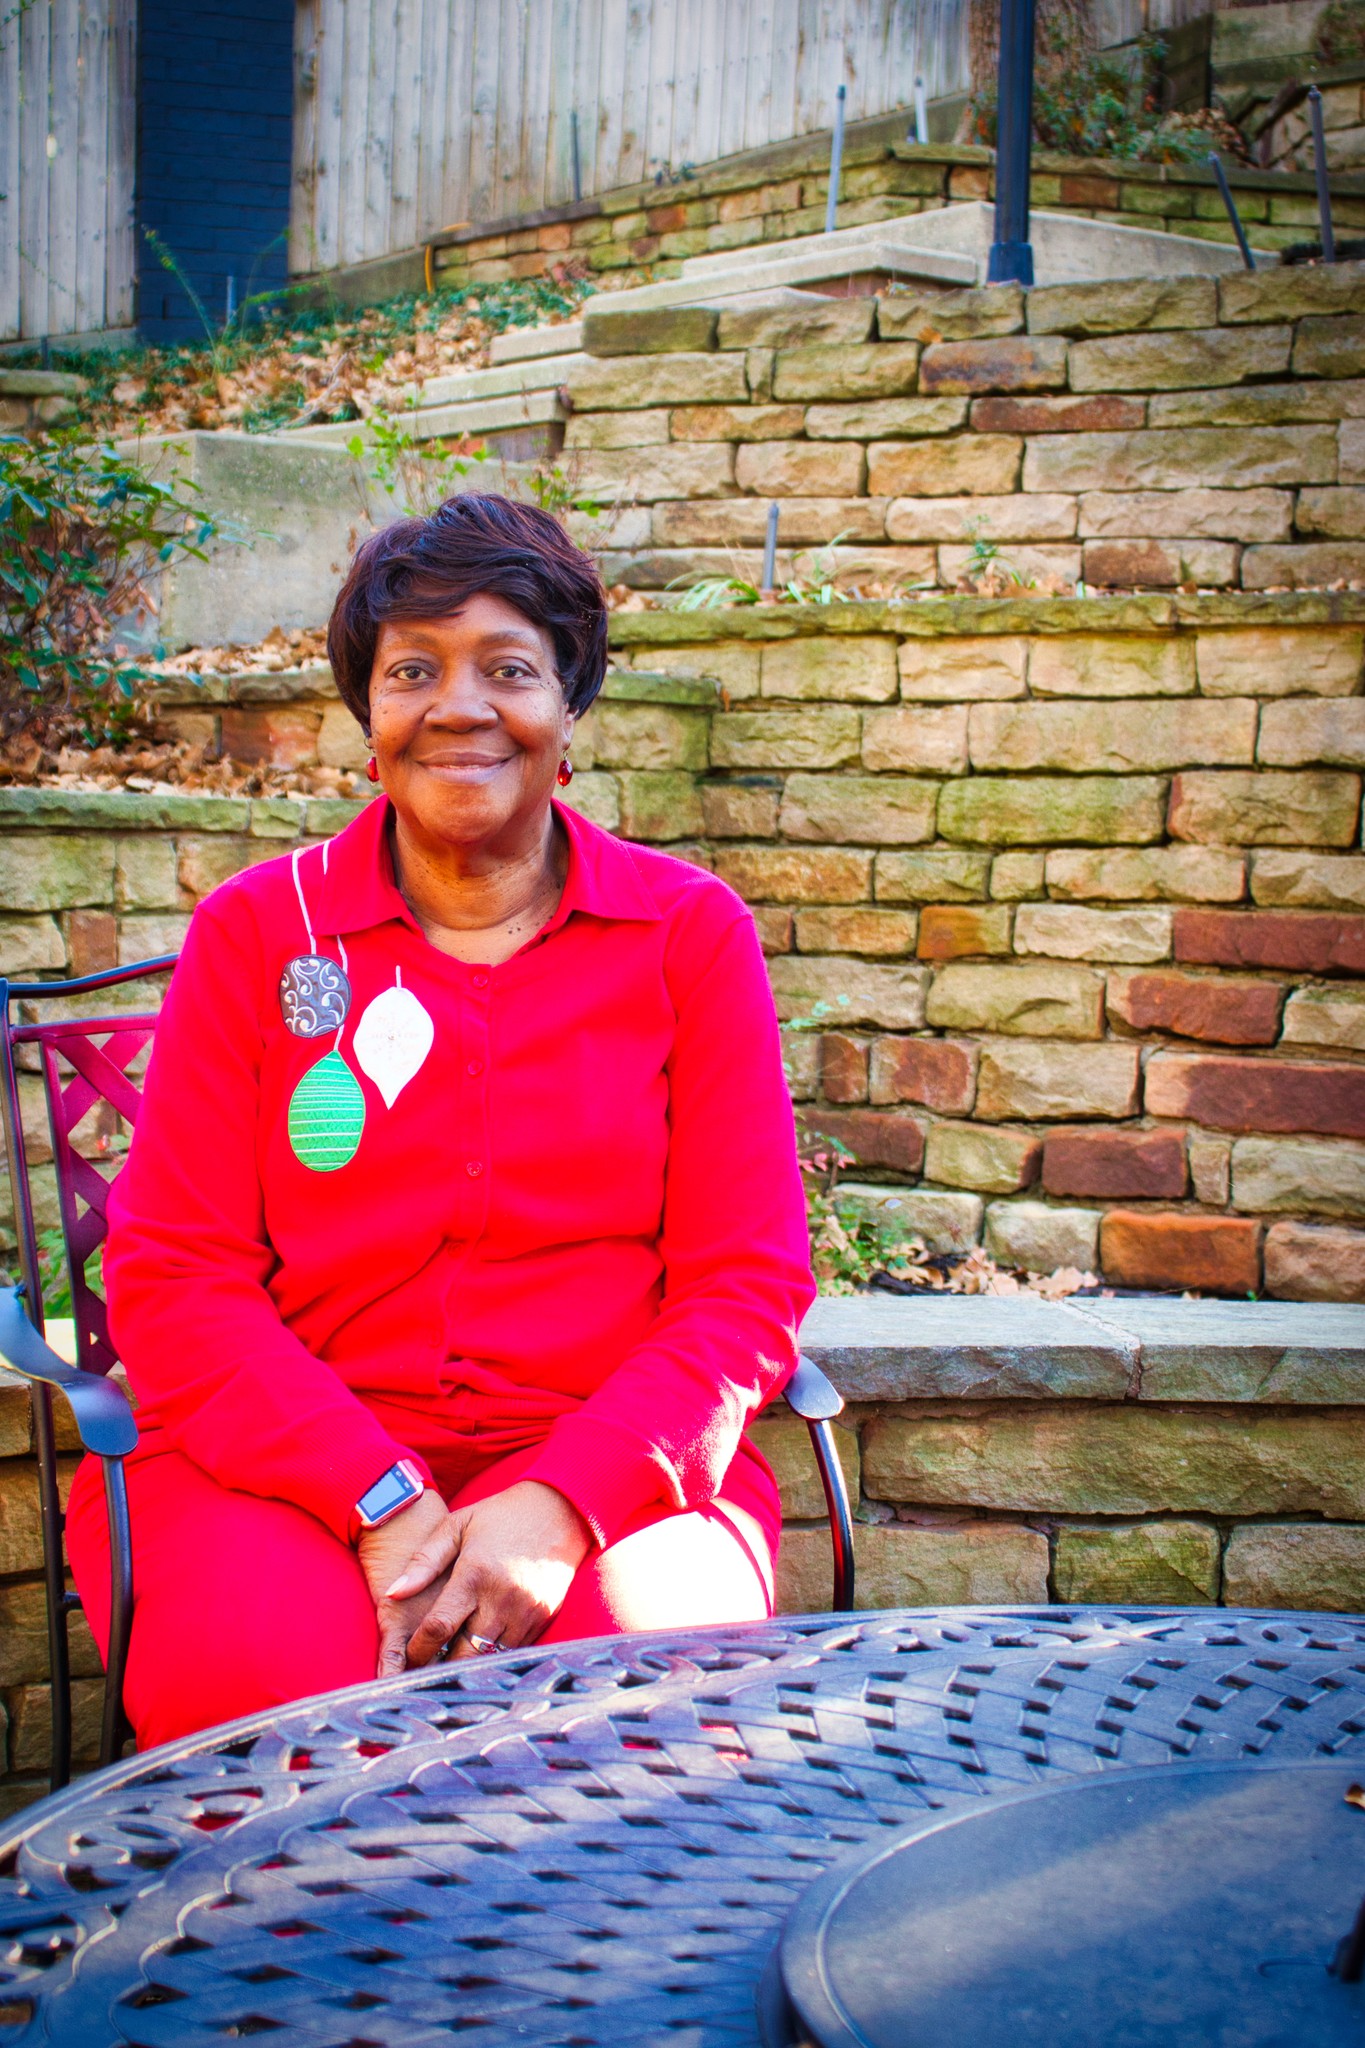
pixel 582 1215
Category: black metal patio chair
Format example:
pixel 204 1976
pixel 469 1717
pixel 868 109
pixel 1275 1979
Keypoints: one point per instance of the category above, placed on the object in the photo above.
pixel 84 1062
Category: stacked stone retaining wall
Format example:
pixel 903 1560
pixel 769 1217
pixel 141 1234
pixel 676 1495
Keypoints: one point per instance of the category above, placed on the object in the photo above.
pixel 1184 432
pixel 1064 900
pixel 1070 899
pixel 773 195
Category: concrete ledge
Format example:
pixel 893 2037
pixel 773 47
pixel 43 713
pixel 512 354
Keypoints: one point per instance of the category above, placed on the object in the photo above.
pixel 932 617
pixel 314 680
pixel 1309 1353
pixel 353 285
pixel 970 1347
pixel 888 1348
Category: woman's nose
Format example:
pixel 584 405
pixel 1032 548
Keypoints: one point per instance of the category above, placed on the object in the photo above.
pixel 462 699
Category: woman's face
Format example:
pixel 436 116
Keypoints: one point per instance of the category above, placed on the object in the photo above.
pixel 469 723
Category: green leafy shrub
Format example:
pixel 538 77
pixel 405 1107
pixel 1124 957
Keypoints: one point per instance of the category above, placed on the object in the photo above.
pixel 1091 104
pixel 1341 33
pixel 82 530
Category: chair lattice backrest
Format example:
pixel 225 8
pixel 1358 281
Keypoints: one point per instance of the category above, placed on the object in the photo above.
pixel 89 1081
pixel 84 1064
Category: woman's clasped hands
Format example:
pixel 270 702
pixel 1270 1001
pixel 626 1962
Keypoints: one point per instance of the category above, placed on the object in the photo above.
pixel 458 1582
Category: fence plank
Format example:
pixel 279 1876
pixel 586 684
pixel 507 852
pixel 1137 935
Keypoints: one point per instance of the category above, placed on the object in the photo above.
pixel 703 142
pixel 562 57
pixel 433 50
pixel 407 122
pixel 451 149
pixel 121 245
pixel 64 167
pixel 91 119
pixel 785 56
pixel 483 112
pixel 537 90
pixel 758 100
pixel 809 104
pixel 662 49
pixel 610 110
pixel 354 94
pixel 34 88
pixel 303 166
pixel 321 237
pixel 374 146
pixel 634 145
pixel 733 77
pixel 687 78
pixel 511 110
pixel 9 179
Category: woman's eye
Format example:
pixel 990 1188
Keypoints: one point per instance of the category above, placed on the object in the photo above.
pixel 512 672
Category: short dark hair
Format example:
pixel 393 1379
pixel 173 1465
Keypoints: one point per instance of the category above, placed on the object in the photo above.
pixel 478 544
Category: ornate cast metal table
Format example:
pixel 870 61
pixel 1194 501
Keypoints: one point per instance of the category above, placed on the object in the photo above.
pixel 597 1843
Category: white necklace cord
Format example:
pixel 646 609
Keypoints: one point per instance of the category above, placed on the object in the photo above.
pixel 303 905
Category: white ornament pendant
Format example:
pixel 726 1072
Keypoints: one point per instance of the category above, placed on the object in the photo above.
pixel 392 1040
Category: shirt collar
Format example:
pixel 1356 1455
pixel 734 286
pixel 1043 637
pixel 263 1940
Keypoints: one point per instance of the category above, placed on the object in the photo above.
pixel 355 887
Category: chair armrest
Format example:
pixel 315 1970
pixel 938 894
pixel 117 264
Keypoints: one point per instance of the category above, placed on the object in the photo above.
pixel 810 1395
pixel 103 1414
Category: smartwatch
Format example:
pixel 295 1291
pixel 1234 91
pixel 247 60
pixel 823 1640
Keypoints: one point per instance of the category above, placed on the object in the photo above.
pixel 395 1490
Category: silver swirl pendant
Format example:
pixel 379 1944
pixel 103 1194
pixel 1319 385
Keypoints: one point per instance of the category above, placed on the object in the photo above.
pixel 314 996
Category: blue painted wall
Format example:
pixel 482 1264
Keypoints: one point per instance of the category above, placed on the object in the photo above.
pixel 215 109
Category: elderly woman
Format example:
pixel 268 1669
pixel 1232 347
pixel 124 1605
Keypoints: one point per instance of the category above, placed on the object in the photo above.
pixel 462 1232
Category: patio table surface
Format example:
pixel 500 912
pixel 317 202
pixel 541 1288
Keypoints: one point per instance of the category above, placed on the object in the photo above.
pixel 597 1842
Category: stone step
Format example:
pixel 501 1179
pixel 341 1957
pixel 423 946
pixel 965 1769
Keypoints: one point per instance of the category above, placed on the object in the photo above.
pixel 427 423
pixel 519 344
pixel 469 401
pixel 540 373
pixel 802 270
pixel 945 247
pixel 956 227
pixel 1067 248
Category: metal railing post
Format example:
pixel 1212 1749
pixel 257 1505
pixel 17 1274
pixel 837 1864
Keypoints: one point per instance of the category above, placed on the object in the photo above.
pixel 836 159
pixel 1329 240
pixel 1011 258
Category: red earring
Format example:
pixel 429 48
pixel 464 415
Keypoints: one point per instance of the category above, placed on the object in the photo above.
pixel 372 769
pixel 565 775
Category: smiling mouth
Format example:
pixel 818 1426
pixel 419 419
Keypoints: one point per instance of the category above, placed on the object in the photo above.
pixel 465 767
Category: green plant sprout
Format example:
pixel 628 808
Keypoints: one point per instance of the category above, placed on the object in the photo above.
pixel 813 584
pixel 984 559
pixel 419 475
pixel 220 340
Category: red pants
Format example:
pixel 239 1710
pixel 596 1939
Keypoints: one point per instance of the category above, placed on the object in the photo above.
pixel 243 1604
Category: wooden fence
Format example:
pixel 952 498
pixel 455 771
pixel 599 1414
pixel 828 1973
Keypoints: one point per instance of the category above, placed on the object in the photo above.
pixel 67 143
pixel 414 115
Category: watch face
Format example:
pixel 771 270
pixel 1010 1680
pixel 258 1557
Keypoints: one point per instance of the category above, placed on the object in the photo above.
pixel 393 1490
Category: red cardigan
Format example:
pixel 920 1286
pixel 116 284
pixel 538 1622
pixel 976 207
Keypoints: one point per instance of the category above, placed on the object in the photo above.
pixel 583 1213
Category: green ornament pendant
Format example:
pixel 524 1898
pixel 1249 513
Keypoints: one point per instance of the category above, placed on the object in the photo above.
pixel 326 1116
